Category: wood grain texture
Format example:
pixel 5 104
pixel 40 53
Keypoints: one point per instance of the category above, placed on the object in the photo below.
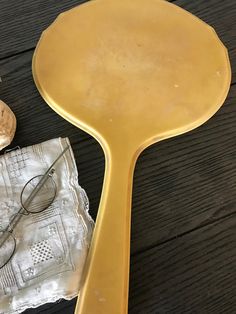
pixel 183 218
pixel 195 273
pixel 22 22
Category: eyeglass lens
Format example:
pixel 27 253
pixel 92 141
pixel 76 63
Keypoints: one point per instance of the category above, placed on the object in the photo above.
pixel 7 247
pixel 42 199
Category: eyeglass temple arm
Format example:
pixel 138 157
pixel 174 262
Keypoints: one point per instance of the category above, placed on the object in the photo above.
pixel 53 164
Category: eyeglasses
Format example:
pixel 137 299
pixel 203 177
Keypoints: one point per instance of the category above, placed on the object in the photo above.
pixel 36 196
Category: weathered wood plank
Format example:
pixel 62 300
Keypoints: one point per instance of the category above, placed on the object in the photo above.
pixel 22 22
pixel 195 273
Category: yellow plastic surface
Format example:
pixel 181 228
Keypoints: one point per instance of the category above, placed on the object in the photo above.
pixel 130 73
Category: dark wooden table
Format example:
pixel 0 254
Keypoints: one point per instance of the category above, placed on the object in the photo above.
pixel 183 250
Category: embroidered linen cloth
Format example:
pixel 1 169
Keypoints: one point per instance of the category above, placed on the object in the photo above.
pixel 52 245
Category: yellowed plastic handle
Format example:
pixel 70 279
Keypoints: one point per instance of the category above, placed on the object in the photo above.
pixel 106 277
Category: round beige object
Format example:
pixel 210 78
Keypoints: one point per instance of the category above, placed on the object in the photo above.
pixel 7 125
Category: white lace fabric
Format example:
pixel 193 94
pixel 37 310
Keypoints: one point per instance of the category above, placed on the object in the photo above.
pixel 52 245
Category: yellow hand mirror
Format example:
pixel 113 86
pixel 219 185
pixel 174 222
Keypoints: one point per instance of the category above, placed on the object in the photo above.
pixel 130 73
